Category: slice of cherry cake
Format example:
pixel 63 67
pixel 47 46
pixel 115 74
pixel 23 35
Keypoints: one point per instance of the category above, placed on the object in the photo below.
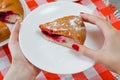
pixel 65 30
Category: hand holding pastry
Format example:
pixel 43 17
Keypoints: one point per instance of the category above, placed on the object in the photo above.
pixel 109 54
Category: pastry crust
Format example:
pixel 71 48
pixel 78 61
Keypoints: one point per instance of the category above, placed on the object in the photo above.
pixel 12 6
pixel 4 32
pixel 69 26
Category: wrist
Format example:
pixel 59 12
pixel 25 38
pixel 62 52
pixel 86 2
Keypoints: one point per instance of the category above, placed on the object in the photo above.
pixel 26 65
pixel 21 72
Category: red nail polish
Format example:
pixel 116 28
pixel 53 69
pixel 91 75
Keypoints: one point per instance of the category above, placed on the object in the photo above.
pixel 97 9
pixel 75 47
pixel 81 12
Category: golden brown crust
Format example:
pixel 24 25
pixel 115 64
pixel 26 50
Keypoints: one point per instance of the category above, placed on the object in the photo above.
pixel 12 5
pixel 70 26
pixel 4 32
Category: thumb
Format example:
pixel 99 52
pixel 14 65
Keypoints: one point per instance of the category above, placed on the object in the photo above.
pixel 93 54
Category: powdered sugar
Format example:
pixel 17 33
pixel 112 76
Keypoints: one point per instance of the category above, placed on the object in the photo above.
pixel 48 27
pixel 62 29
pixel 56 29
pixel 73 23
pixel 54 24
pixel 78 29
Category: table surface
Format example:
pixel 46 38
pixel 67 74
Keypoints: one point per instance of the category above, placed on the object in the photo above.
pixel 116 3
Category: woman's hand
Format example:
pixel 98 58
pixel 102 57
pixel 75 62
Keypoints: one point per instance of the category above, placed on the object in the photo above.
pixel 109 54
pixel 20 69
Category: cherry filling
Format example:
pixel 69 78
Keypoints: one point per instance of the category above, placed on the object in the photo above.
pixel 55 37
pixel 5 16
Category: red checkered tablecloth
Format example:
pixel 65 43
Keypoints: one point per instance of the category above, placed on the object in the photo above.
pixel 97 72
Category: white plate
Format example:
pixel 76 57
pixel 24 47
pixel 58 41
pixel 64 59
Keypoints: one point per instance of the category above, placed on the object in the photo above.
pixel 47 55
pixel 10 26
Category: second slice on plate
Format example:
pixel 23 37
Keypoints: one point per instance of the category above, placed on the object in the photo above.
pixel 11 10
pixel 4 32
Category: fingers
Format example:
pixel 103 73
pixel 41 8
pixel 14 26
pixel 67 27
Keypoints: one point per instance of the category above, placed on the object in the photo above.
pixel 93 54
pixel 100 22
pixel 15 32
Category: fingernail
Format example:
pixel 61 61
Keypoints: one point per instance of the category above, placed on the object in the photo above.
pixel 75 47
pixel 81 12
pixel 97 9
